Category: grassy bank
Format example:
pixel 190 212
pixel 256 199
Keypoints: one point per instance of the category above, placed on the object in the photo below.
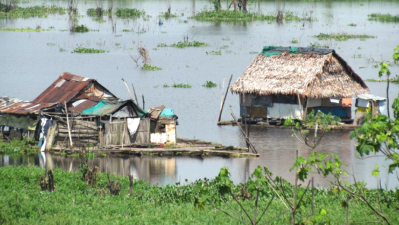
pixel 20 147
pixel 76 202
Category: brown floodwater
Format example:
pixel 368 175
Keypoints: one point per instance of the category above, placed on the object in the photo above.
pixel 31 61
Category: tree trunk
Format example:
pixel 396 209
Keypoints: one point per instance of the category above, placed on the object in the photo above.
pixel 388 95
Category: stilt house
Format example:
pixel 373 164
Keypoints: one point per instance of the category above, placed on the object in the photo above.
pixel 79 112
pixel 284 82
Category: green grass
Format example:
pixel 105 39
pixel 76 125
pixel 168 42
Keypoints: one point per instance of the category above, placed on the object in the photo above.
pixel 97 12
pixel 384 17
pixel 181 44
pixel 394 80
pixel 16 146
pixel 74 202
pixel 342 36
pixel 181 85
pixel 317 45
pixel 88 50
pixel 80 29
pixel 214 52
pixel 150 68
pixel 27 12
pixel 229 15
pixel 129 13
pixel 23 29
pixel 162 45
pixel 209 84
pixel 167 15
pixel 294 41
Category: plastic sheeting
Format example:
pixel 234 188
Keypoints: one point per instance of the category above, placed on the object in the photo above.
pixel 167 112
pixel 133 125
pixel 284 111
pixel 22 122
pixel 382 107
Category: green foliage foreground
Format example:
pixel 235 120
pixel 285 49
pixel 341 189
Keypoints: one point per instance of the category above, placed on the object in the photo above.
pixel 75 202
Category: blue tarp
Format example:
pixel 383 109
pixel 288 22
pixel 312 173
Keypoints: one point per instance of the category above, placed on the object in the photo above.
pixel 167 112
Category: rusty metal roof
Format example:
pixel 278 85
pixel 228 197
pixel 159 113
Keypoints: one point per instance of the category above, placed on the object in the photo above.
pixel 63 89
pixel 24 108
pixel 66 88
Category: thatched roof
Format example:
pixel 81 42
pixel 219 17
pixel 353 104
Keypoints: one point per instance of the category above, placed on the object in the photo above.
pixel 315 73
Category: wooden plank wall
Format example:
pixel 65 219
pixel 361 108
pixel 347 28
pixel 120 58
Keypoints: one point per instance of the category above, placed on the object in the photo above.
pixel 83 133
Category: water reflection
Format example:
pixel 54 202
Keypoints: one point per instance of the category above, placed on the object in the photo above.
pixel 277 153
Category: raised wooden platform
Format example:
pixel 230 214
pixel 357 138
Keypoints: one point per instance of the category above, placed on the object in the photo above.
pixel 280 126
pixel 184 147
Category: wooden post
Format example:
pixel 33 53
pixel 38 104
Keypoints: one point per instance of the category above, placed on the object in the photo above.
pixel 69 129
pixel 143 101
pixel 243 133
pixel 306 108
pixel 135 96
pixel 127 89
pixel 224 99
pixel 300 106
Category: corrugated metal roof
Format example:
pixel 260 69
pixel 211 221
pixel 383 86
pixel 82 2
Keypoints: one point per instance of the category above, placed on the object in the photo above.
pixel 66 88
pixel 25 107
pixel 371 97
pixel 103 108
pixel 63 89
pixel 83 105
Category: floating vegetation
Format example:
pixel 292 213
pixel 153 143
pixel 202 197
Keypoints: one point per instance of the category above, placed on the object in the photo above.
pixel 224 47
pixel 80 29
pixel 126 30
pixel 294 41
pixel 23 29
pixel 226 39
pixel 209 84
pixel 227 15
pixel 317 45
pixel 129 13
pixel 149 67
pixel 394 80
pixel 168 15
pixel 253 52
pixel 162 45
pixel 384 17
pixel 184 44
pixel 62 50
pixel 352 24
pixel 214 53
pixel 14 11
pixel 342 36
pixel 181 85
pixel 165 85
pixel 88 50
pixel 98 12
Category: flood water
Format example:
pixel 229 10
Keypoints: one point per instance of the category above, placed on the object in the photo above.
pixel 31 61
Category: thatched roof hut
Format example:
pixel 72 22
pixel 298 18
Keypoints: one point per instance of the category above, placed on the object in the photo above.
pixel 307 72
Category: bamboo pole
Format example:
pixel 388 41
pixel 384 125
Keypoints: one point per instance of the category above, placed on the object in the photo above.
pixel 69 129
pixel 128 90
pixel 143 101
pixel 243 132
pixel 224 99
